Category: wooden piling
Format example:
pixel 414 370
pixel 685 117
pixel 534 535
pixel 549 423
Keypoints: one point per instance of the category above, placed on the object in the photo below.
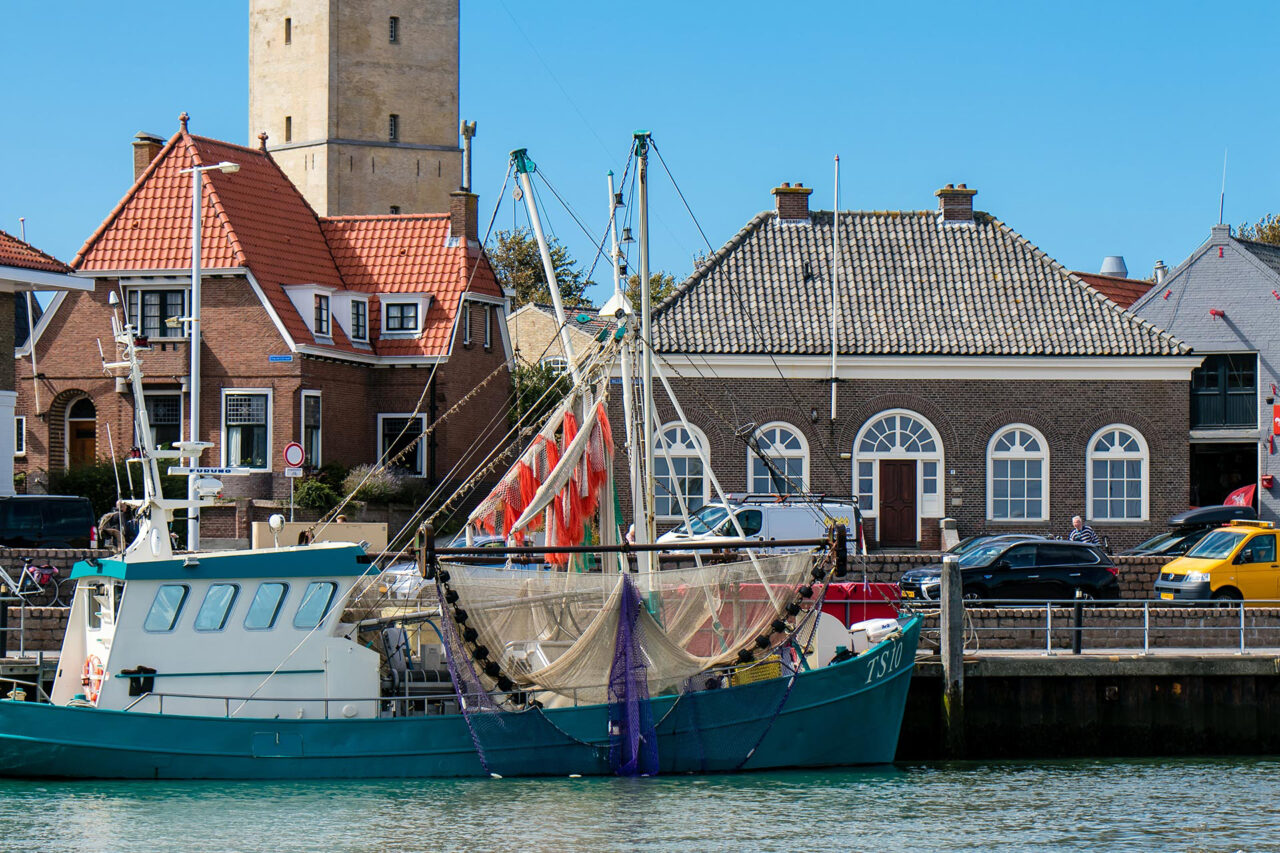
pixel 952 638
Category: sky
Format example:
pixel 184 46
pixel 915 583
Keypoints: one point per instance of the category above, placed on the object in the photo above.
pixel 1093 129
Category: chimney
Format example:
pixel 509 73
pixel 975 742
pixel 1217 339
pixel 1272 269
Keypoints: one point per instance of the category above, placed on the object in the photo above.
pixel 792 202
pixel 955 203
pixel 1114 265
pixel 464 215
pixel 1160 272
pixel 145 148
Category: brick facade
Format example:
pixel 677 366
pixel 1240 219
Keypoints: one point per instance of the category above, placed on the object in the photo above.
pixel 239 338
pixel 966 414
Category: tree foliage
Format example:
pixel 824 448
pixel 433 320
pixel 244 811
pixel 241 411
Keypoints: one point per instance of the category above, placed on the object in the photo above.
pixel 518 265
pixel 1265 230
pixel 661 285
pixel 538 388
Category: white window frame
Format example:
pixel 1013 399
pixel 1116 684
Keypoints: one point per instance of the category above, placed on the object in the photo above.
pixel 1143 455
pixel 466 323
pixel 322 318
pixel 1042 456
pixel 271 408
pixel 421 448
pixel 387 300
pixel 19 435
pixel 661 458
pixel 364 338
pixel 927 506
pixel 801 454
pixel 183 432
pixel 558 363
pixel 488 326
pixel 312 460
pixel 181 331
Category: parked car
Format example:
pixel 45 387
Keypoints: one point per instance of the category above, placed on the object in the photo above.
pixel 1039 570
pixel 1188 528
pixel 968 543
pixel 47 521
pixel 1229 564
pixel 762 520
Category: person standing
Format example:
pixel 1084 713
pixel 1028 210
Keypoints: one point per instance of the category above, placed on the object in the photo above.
pixel 1081 532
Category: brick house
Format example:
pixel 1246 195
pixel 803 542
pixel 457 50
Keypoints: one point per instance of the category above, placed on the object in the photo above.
pixel 1222 300
pixel 976 378
pixel 348 334
pixel 23 269
pixel 535 334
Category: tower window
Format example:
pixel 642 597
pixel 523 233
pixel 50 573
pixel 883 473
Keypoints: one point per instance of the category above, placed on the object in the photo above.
pixel 288 128
pixel 395 210
pixel 393 30
pixel 288 30
pixel 393 128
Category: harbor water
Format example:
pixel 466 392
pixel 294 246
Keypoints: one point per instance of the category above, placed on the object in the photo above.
pixel 1224 804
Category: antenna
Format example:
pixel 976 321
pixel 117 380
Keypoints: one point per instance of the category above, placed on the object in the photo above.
pixel 22 227
pixel 1222 198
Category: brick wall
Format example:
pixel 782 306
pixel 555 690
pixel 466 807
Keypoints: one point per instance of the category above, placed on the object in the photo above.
pixel 966 414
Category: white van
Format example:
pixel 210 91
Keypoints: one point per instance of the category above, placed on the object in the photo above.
pixel 764 520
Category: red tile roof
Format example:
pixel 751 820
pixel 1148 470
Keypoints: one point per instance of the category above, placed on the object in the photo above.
pixel 257 219
pixel 1122 291
pixel 15 253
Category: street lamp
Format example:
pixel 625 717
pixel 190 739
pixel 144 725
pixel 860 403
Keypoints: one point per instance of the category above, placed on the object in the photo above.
pixel 197 207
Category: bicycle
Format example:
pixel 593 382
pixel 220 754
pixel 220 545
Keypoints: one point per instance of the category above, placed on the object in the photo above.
pixel 38 585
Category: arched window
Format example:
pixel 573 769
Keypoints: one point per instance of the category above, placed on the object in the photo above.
pixel 787 472
pixel 1117 474
pixel 684 475
pixel 1018 475
pixel 899 435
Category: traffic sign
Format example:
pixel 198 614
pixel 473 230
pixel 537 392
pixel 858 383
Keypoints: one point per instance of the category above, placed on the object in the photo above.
pixel 293 472
pixel 294 455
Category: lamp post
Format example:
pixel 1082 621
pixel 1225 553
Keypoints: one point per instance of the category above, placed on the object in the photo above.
pixel 197 208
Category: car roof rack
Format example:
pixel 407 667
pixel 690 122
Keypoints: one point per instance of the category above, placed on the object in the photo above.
pixel 773 498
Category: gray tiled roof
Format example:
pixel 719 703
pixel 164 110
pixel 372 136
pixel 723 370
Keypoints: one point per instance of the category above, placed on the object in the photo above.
pixel 1265 252
pixel 909 285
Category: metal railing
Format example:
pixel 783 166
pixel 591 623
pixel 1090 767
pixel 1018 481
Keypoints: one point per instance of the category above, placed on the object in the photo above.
pixel 1143 626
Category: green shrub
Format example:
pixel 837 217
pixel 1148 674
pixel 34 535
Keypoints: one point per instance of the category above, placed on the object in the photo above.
pixel 314 493
pixel 97 482
pixel 380 487
pixel 332 474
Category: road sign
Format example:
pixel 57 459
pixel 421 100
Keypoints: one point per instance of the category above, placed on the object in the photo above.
pixel 294 455
pixel 274 358
pixel 293 472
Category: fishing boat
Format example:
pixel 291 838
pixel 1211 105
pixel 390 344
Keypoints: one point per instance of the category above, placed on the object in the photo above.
pixel 305 662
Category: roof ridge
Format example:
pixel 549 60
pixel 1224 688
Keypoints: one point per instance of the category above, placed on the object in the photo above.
pixel 124 200
pixel 351 217
pixel 711 260
pixel 1178 346
pixel 246 148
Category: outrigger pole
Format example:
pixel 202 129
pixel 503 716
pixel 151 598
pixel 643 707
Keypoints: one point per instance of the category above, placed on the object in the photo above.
pixel 647 533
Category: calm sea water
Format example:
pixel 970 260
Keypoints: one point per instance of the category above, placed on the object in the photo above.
pixel 1177 805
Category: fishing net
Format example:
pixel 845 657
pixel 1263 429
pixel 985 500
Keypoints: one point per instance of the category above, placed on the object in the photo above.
pixel 555 632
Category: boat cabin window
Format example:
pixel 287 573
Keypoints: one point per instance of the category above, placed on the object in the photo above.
pixel 315 604
pixel 265 606
pixel 166 608
pixel 216 607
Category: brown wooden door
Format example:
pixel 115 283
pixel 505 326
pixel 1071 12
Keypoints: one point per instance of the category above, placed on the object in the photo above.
pixel 82 449
pixel 897 503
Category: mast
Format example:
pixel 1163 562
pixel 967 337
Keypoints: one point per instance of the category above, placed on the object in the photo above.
pixel 647 532
pixel 620 308
pixel 835 272
pixel 520 157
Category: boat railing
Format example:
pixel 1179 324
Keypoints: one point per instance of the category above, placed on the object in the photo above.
pixel 334 708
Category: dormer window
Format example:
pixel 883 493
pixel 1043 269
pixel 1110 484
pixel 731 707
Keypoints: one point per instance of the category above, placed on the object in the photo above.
pixel 359 320
pixel 321 326
pixel 402 317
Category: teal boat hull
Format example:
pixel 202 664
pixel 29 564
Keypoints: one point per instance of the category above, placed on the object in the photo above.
pixel 848 713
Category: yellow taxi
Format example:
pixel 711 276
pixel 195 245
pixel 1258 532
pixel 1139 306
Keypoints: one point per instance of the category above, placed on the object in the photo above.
pixel 1231 563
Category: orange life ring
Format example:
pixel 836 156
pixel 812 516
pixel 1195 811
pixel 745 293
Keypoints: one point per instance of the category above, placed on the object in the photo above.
pixel 94 675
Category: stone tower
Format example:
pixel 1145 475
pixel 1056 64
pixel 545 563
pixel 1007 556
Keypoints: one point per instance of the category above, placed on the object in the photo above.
pixel 359 99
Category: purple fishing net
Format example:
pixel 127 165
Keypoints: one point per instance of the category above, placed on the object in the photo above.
pixel 633 743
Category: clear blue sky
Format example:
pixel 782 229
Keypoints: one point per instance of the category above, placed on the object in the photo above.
pixel 1091 128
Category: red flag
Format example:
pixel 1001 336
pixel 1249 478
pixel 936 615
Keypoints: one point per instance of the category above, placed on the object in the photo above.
pixel 1242 496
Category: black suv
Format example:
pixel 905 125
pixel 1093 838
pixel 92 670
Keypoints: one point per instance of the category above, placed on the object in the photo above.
pixel 46 521
pixel 1038 571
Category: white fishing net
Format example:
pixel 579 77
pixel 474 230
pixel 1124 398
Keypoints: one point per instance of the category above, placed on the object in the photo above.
pixel 558 631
